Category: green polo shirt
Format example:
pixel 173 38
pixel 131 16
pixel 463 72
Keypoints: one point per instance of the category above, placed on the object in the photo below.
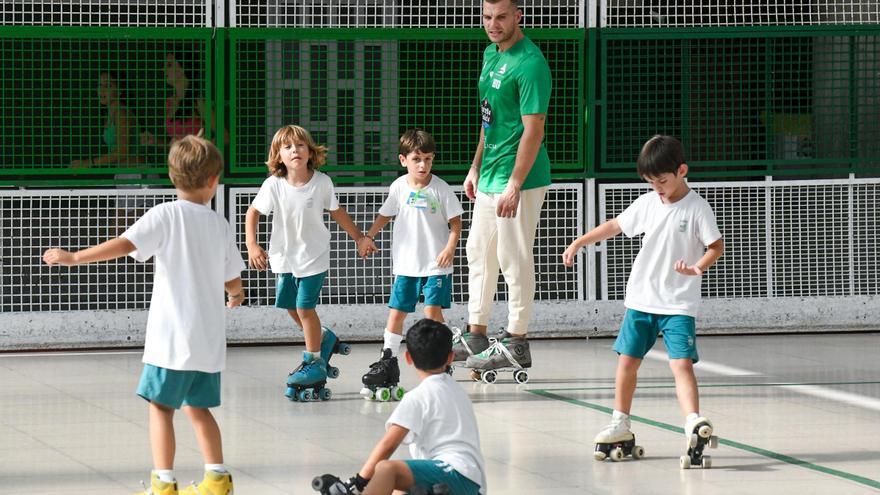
pixel 513 83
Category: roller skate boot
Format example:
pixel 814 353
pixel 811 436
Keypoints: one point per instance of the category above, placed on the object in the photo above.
pixel 330 345
pixel 212 484
pixel 509 353
pixel 328 484
pixel 308 382
pixel 158 487
pixel 381 382
pixel 467 344
pixel 617 441
pixel 698 432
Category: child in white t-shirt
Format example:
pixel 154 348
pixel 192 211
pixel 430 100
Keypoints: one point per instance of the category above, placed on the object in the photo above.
pixel 196 259
pixel 427 227
pixel 296 194
pixel 436 419
pixel 681 241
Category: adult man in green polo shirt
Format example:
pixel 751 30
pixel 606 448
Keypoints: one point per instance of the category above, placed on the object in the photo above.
pixel 508 179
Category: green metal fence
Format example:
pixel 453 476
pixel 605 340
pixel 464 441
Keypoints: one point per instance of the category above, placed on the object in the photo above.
pixel 357 90
pixel 745 101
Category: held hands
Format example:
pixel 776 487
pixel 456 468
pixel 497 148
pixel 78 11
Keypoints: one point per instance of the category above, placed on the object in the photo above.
pixel 366 247
pixel 444 259
pixel 682 268
pixel 57 256
pixel 508 202
pixel 257 257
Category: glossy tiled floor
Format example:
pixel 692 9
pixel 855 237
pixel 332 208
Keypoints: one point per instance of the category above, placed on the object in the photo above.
pixel 796 414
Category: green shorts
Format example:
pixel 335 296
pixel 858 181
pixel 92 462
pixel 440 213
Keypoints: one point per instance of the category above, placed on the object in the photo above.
pixel 639 331
pixel 429 472
pixel 298 293
pixel 175 388
pixel 406 291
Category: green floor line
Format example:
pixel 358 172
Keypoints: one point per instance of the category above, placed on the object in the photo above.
pixel 720 385
pixel 723 441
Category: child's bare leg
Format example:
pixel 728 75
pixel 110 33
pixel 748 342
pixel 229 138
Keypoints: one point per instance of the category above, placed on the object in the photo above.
pixel 390 475
pixel 311 326
pixel 434 313
pixel 293 314
pixel 162 436
pixel 207 434
pixel 625 382
pixel 685 385
pixel 395 321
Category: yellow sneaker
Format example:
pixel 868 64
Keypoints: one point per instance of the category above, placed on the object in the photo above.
pixel 213 484
pixel 159 487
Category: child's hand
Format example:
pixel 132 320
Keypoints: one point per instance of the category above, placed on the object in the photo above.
pixel 366 247
pixel 444 259
pixel 57 256
pixel 233 300
pixel 257 257
pixel 682 268
pixel 569 254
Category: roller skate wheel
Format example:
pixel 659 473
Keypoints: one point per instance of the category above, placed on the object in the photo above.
pixel 521 377
pixel 638 452
pixel 489 376
pixel 367 394
pixel 693 441
pixel 318 483
pixel 397 393
pixel 599 455
pixel 713 442
pixel 476 375
pixel 383 394
pixel 344 349
pixel 305 395
pixel 332 372
pixel 616 454
pixel 684 462
pixel 325 394
pixel 704 431
pixel 706 462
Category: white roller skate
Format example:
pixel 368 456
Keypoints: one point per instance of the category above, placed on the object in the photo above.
pixel 698 432
pixel 617 441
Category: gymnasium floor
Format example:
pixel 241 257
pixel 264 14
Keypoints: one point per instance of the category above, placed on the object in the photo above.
pixel 796 414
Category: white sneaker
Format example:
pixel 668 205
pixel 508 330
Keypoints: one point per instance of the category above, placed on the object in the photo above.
pixel 700 426
pixel 618 430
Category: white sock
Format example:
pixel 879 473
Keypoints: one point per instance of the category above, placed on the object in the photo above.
pixel 692 416
pixel 619 415
pixel 392 341
pixel 217 468
pixel 164 475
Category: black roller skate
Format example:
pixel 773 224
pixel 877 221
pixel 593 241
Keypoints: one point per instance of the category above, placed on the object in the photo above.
pixel 381 382
pixel 328 484
pixel 699 436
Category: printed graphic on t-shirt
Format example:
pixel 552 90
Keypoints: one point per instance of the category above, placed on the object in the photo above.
pixel 421 201
pixel 683 225
pixel 486 113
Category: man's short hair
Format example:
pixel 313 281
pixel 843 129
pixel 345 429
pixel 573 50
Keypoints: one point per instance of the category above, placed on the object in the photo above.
pixel 429 343
pixel 193 162
pixel 660 155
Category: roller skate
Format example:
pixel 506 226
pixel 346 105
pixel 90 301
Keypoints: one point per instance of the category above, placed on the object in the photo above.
pixel 213 483
pixel 307 382
pixel 698 432
pixel 328 484
pixel 158 487
pixel 330 345
pixel 380 383
pixel 465 345
pixel 509 353
pixel 616 441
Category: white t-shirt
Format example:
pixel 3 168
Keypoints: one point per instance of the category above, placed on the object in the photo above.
pixel 195 255
pixel 677 231
pixel 300 241
pixel 442 426
pixel 421 226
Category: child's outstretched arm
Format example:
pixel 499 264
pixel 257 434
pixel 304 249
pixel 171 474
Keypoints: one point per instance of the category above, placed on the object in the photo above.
pixel 713 252
pixel 383 450
pixel 109 250
pixel 444 259
pixel 257 257
pixel 607 230
pixel 367 243
pixel 340 216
